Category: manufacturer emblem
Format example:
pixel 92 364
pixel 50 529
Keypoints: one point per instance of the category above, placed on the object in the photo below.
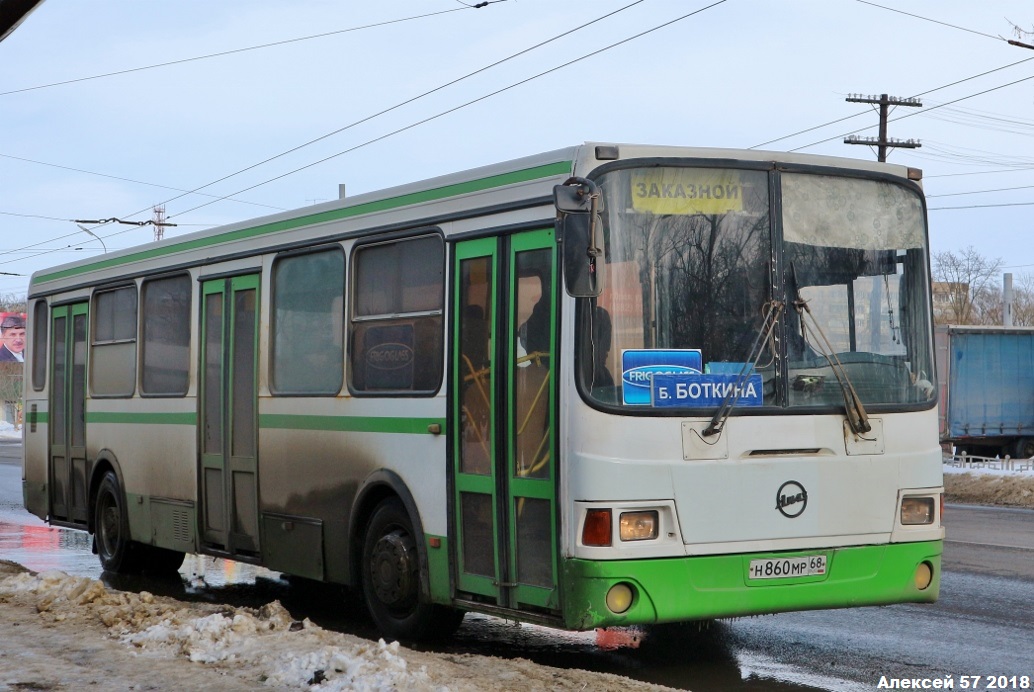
pixel 791 499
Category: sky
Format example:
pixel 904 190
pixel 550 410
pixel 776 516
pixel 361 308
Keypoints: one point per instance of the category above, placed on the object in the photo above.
pixel 231 110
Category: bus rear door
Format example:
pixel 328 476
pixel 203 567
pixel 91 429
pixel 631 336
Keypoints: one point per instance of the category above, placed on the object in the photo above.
pixel 68 462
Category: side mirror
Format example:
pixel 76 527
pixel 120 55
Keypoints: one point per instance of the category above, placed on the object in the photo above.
pixel 580 235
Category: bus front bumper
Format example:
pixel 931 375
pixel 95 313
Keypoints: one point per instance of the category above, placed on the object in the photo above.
pixel 712 587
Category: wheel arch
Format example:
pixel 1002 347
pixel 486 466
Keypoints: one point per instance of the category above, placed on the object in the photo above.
pixel 105 461
pixel 377 487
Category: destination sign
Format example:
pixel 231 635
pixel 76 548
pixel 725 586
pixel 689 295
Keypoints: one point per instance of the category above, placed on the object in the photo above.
pixel 706 390
pixel 686 191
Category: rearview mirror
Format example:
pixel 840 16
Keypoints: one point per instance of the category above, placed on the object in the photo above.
pixel 579 233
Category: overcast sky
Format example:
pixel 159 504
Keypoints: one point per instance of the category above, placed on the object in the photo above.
pixel 767 74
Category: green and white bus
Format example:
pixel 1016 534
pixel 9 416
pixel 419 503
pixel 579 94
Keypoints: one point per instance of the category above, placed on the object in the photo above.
pixel 606 385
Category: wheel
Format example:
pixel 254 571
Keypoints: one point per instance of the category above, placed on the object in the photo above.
pixel 111 535
pixel 1025 448
pixel 111 529
pixel 391 579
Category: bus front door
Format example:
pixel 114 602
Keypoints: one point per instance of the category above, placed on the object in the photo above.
pixel 228 473
pixel 68 462
pixel 503 419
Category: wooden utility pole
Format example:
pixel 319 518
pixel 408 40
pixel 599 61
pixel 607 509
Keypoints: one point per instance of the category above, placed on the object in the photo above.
pixel 882 143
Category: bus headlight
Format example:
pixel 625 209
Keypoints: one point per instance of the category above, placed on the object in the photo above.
pixel 917 510
pixel 638 526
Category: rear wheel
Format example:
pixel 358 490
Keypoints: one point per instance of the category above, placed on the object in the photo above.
pixel 391 579
pixel 1025 448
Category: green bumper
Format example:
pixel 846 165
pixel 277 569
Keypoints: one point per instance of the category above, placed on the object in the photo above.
pixel 701 588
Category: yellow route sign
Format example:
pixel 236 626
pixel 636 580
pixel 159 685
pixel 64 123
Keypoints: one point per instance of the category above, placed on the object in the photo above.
pixel 686 191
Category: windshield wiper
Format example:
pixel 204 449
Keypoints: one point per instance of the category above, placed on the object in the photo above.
pixel 855 413
pixel 772 310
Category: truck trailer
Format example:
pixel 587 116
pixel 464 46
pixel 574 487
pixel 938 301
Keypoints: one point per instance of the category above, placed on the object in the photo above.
pixel 986 380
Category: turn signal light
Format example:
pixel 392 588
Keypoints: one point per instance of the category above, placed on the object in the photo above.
pixel 596 530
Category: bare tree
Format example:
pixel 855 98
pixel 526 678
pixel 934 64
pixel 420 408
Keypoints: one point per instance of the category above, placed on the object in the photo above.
pixel 960 278
pixel 987 306
pixel 1023 301
pixel 13 302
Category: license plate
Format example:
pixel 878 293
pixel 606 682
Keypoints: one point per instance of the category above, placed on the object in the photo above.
pixel 788 567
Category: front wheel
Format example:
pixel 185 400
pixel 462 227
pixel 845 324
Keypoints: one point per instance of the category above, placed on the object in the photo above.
pixel 391 579
pixel 111 527
pixel 116 551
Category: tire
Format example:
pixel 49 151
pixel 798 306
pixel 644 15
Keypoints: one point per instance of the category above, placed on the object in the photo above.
pixel 111 529
pixel 1024 448
pixel 391 580
pixel 117 553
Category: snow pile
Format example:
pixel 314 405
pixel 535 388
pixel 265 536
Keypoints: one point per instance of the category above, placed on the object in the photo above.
pixel 985 485
pixel 282 652
pixel 9 432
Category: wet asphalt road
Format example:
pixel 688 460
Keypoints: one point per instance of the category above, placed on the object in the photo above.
pixel 983 623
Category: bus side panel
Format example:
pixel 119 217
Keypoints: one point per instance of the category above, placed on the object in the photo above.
pixel 316 454
pixel 154 450
pixel 34 457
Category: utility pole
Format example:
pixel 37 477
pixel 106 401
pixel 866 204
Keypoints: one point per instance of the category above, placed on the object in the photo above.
pixel 159 222
pixel 883 142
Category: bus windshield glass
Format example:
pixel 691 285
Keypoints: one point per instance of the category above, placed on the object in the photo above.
pixel 712 298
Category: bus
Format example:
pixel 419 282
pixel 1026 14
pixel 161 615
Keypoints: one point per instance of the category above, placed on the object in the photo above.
pixel 606 385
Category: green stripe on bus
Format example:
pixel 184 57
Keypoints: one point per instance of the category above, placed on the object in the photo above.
pixel 189 418
pixel 406 426
pixel 511 178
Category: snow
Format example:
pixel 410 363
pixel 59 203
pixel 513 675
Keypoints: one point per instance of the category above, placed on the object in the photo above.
pixel 9 432
pixel 281 652
pixel 985 466
pixel 155 642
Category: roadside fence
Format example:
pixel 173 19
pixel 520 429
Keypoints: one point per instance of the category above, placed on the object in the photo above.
pixel 972 461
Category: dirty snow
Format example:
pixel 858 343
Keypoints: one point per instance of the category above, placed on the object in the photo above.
pixel 51 622
pixel 988 485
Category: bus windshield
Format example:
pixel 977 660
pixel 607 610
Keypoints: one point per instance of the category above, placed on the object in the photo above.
pixel 707 292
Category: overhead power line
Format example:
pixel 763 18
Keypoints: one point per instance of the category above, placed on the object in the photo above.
pixel 855 115
pixel 981 192
pixel 451 110
pixel 468 103
pixel 883 142
pixel 909 115
pixel 245 49
pixel 127 180
pixel 406 102
pixel 934 21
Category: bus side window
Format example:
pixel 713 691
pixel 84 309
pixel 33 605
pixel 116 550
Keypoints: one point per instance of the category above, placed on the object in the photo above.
pixel 113 343
pixel 165 347
pixel 308 323
pixel 396 321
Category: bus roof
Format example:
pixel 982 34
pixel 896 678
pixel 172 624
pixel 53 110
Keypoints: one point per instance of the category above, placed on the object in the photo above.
pixel 530 177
